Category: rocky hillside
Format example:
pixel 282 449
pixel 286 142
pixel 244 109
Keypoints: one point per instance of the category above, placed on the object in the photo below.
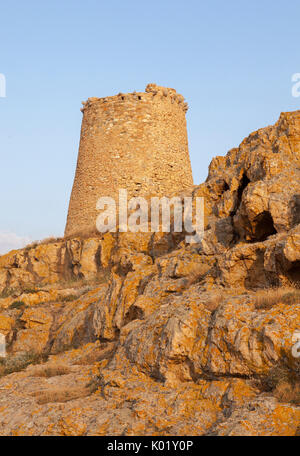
pixel 143 334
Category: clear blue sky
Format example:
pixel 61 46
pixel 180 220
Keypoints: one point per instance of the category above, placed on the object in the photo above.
pixel 232 60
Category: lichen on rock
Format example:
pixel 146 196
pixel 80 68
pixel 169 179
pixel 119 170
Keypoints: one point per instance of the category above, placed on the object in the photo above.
pixel 157 336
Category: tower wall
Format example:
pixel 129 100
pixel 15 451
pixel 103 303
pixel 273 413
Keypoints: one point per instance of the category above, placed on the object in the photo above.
pixel 134 141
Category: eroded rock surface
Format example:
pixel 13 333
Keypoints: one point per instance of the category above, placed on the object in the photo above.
pixel 141 333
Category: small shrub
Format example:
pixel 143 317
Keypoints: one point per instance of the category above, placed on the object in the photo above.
pixel 30 290
pixel 48 240
pixel 77 282
pixel 287 392
pixel 19 305
pixel 32 245
pixel 69 298
pixel 96 382
pixel 16 363
pixel 7 292
pixel 284 382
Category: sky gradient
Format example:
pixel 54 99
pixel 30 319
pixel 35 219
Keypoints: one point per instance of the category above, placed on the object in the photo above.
pixel 233 61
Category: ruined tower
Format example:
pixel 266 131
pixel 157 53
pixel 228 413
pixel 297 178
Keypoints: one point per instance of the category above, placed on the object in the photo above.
pixel 135 141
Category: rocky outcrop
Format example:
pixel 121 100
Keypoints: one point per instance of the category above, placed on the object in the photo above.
pixel 160 337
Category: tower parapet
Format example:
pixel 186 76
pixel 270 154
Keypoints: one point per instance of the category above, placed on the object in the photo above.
pixel 135 141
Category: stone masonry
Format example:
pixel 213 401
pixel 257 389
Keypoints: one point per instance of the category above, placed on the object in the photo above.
pixel 135 141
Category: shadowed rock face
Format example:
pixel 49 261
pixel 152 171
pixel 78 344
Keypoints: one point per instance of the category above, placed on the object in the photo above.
pixel 159 337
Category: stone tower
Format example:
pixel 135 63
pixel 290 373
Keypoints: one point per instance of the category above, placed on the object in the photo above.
pixel 135 141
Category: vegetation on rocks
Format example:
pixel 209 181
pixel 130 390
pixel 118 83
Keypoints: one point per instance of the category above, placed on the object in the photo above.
pixel 140 333
pixel 19 362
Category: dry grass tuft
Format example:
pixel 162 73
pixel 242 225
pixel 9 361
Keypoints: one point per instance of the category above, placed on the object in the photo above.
pixel 214 302
pixel 51 240
pixel 90 358
pixel 195 276
pixel 19 362
pixel 97 355
pixel 71 297
pixel 266 299
pixel 85 234
pixel 286 392
pixel 85 285
pixel 284 382
pixel 8 292
pixel 52 370
pixel 48 240
pixel 61 394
